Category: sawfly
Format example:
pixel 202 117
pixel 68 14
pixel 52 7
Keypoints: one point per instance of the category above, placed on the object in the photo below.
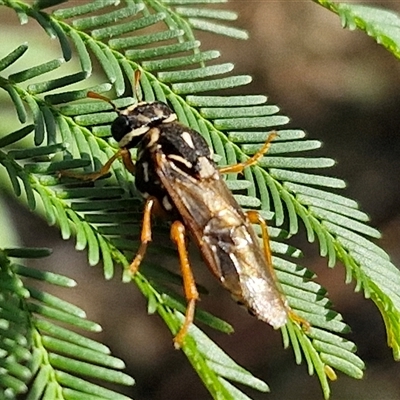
pixel 175 173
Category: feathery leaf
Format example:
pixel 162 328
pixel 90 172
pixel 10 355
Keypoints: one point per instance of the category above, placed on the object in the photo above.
pixel 105 215
pixel 33 339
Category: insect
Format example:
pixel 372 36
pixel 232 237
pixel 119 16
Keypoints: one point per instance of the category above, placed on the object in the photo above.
pixel 175 173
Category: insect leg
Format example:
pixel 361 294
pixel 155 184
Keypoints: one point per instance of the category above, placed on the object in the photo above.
pixel 178 236
pixel 127 160
pixel 255 218
pixel 252 160
pixel 124 153
pixel 145 236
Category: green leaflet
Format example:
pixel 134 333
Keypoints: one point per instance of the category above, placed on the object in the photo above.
pixel 382 25
pixel 33 337
pixel 105 217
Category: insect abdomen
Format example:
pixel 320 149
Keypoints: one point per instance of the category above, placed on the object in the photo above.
pixel 243 268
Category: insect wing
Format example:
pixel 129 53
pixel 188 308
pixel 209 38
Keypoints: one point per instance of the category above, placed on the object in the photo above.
pixel 227 241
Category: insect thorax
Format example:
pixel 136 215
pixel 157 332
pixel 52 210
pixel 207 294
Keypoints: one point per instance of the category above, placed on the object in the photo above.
pixel 180 146
pixel 153 129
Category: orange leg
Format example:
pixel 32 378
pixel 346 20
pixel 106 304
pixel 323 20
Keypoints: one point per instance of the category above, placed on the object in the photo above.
pixel 126 158
pixel 252 160
pixel 145 236
pixel 255 218
pixel 178 236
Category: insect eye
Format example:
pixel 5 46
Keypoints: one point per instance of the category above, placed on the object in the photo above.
pixel 120 127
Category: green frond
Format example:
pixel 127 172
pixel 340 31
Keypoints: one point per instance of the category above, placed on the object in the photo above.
pixel 382 25
pixel 212 360
pixel 38 356
pixel 13 56
pixel 83 9
pixel 100 214
pixel 287 184
pixel 207 19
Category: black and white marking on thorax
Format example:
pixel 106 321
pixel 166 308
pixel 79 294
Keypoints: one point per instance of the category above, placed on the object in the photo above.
pixel 183 148
pixel 153 129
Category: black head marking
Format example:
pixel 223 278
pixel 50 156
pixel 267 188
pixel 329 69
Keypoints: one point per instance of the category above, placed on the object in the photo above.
pixel 152 114
pixel 120 127
pixel 134 122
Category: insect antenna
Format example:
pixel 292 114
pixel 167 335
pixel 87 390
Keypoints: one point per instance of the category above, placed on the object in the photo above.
pixel 136 80
pixel 94 95
pixel 137 92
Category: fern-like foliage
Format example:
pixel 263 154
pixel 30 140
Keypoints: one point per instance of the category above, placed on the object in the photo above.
pixel 55 361
pixel 158 38
pixel 382 25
